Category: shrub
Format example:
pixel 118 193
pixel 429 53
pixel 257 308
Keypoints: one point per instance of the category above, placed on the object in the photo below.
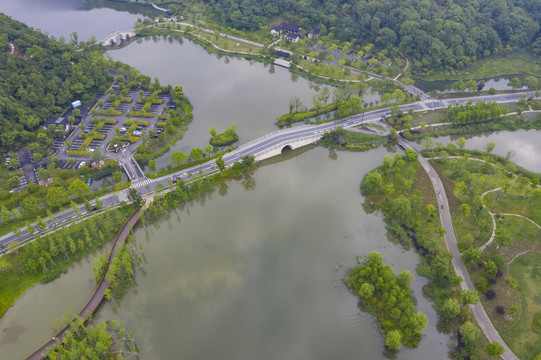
pixel 491 294
pixel 536 323
pixel 482 284
pixel 65 174
pixel 500 309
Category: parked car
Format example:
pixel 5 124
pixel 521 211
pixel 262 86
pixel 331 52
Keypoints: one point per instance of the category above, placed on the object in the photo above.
pixel 83 163
pixel 123 130
pixel 136 133
pixel 90 149
pixel 139 127
pixel 89 181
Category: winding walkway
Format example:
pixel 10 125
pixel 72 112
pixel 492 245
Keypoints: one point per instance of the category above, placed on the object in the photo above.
pixel 451 242
pixel 97 296
pixel 492 215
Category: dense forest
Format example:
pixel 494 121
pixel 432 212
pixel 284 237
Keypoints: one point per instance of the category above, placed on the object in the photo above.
pixel 434 33
pixel 40 77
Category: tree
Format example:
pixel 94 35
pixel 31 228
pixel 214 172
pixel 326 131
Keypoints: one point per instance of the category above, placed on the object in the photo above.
pixel 469 331
pixel 152 165
pixel 366 291
pixel 213 132
pixel 220 163
pixel 371 182
pixel 134 196
pixel 515 83
pixel 79 188
pixel 117 177
pixel 461 142
pixel 177 158
pixel 450 309
pixel 208 149
pixel 531 82
pixel 494 349
pixel 489 146
pixel 465 209
pixel 470 297
pixel 197 154
pixel 99 203
pixel 56 196
pixel 471 85
pixel 393 340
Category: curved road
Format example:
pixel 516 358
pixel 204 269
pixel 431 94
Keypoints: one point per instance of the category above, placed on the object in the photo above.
pixel 450 239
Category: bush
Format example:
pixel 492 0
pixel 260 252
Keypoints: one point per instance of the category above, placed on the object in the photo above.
pixel 482 284
pixel 65 174
pixel 491 294
pixel 536 323
pixel 500 309
pixel 32 188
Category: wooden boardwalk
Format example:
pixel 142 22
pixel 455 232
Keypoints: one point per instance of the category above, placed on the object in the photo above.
pixel 97 296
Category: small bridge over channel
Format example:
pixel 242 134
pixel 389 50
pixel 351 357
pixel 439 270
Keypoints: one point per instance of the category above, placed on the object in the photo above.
pixel 122 35
pixel 99 294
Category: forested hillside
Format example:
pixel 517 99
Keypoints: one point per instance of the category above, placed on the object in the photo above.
pixel 432 32
pixel 39 77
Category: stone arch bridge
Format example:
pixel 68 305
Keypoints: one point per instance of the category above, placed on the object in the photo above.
pixel 123 35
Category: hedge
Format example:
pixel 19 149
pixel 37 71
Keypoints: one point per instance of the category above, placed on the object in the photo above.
pixel 79 153
pixel 141 114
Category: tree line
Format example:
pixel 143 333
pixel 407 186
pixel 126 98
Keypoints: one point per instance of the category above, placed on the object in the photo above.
pixel 450 33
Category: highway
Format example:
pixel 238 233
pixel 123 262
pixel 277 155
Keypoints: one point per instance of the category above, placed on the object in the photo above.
pixel 257 147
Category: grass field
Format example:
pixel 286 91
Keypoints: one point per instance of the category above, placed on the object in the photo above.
pixel 519 63
pixel 524 342
pixel 429 117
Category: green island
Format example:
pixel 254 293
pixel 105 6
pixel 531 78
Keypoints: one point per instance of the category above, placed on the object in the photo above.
pixel 383 45
pixel 388 297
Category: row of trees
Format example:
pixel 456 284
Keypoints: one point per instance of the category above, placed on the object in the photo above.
pixel 479 112
pixel 388 297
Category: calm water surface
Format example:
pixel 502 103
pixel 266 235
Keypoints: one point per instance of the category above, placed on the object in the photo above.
pixel 251 274
pixel 524 145
pixel 62 17
pixel 224 90
pixel 257 274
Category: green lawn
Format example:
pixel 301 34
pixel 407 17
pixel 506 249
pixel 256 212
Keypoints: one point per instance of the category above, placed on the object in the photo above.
pixel 524 342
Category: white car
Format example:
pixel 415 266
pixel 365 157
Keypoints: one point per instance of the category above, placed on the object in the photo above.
pixel 123 129
pixel 136 133
pixel 83 163
pixel 90 149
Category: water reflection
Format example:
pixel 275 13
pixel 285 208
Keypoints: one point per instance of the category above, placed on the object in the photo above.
pixel 522 147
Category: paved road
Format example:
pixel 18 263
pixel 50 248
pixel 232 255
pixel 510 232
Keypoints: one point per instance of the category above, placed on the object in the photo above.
pixel 266 143
pixel 450 239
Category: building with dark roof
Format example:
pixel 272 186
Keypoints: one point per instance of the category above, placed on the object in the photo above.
pixel 314 33
pixel 286 28
pixel 292 37
pixel 61 123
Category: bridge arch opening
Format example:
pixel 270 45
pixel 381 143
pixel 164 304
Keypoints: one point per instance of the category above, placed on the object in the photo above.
pixel 286 149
